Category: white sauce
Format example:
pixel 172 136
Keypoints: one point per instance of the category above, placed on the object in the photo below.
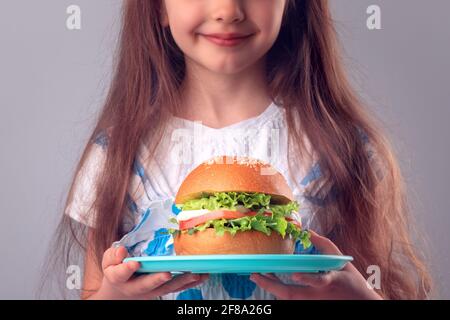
pixel 189 214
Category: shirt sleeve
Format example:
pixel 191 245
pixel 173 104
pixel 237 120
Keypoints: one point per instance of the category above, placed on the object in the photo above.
pixel 79 207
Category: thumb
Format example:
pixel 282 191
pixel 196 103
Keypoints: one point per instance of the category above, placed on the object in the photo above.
pixel 324 245
pixel 115 270
pixel 114 256
pixel 120 254
pixel 317 280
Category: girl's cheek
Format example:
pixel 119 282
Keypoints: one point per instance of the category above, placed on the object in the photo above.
pixel 184 16
pixel 185 30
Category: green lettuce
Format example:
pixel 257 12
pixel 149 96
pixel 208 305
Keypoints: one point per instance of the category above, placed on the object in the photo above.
pixel 259 202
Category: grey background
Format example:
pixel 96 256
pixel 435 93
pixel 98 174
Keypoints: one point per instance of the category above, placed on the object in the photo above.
pixel 53 81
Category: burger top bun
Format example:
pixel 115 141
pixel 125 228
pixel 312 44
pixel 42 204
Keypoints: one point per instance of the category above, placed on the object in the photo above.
pixel 248 242
pixel 232 173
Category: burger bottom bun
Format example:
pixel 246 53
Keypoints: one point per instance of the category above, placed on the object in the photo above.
pixel 243 242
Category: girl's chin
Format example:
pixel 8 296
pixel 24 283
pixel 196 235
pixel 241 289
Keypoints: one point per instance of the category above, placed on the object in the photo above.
pixel 228 71
pixel 225 68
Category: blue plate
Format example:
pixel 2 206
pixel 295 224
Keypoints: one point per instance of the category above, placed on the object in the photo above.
pixel 242 263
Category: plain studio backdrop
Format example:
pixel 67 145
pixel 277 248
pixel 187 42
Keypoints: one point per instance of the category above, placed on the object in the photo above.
pixel 53 82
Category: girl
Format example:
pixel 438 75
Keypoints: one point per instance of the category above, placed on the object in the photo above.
pixel 265 79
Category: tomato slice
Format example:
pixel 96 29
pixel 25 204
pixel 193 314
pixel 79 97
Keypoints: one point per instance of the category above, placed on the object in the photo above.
pixel 221 214
pixel 297 223
pixel 213 215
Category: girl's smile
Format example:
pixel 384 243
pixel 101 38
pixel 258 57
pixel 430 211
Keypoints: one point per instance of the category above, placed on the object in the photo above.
pixel 227 40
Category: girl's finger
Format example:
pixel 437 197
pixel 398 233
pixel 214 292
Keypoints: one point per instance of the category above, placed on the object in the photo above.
pixel 283 291
pixel 316 280
pixel 271 276
pixel 324 245
pixel 146 283
pixel 122 272
pixel 175 284
pixel 203 278
pixel 276 287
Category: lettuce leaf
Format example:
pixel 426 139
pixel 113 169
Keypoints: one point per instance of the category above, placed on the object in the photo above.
pixel 257 202
pixel 259 222
pixel 284 210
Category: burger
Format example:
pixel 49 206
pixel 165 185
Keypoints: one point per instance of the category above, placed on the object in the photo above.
pixel 236 205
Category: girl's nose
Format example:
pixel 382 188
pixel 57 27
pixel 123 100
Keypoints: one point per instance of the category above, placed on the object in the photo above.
pixel 228 11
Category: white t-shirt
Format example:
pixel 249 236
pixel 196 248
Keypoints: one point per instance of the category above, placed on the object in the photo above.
pixel 155 183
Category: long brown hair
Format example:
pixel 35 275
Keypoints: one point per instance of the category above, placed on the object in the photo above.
pixel 367 216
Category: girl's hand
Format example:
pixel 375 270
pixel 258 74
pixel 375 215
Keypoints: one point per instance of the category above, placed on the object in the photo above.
pixel 119 282
pixel 347 283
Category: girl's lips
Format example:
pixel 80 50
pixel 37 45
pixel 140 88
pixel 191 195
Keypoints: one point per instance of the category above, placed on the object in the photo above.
pixel 227 41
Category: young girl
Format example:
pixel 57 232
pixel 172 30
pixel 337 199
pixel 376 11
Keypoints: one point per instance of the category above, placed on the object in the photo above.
pixel 264 79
